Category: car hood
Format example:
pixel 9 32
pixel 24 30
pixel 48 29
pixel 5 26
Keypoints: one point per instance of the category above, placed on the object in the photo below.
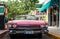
pixel 26 22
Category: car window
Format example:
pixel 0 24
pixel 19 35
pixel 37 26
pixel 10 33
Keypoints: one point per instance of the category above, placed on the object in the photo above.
pixel 28 17
pixel 31 17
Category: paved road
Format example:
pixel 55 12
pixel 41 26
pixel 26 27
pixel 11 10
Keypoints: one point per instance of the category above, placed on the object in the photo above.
pixel 44 37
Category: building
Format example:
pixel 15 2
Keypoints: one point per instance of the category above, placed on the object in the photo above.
pixel 52 12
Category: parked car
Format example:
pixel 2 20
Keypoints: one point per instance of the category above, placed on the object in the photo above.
pixel 27 26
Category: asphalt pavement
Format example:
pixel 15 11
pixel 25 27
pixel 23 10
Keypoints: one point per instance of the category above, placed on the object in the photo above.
pixel 43 37
pixel 46 37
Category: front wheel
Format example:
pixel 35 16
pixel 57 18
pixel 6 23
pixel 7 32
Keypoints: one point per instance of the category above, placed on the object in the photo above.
pixel 40 35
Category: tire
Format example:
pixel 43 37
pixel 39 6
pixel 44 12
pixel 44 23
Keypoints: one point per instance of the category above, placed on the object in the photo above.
pixel 40 35
pixel 11 36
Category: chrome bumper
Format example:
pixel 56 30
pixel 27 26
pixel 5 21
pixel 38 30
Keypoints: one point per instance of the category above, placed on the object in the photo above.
pixel 24 32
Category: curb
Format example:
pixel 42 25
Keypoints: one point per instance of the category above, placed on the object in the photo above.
pixel 2 34
pixel 53 36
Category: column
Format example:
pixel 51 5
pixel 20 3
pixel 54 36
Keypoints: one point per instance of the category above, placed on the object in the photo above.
pixel 48 15
pixel 59 17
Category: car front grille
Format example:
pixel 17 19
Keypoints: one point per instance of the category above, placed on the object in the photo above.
pixel 34 27
pixel 22 29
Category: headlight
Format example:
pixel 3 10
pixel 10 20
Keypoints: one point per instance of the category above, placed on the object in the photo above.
pixel 9 25
pixel 14 25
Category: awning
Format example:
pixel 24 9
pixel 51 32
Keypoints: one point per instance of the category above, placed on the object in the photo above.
pixel 44 7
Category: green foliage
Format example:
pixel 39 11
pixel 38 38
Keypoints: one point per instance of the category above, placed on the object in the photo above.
pixel 53 2
pixel 23 7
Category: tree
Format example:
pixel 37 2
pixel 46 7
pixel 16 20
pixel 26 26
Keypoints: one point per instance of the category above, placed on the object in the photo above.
pixel 23 7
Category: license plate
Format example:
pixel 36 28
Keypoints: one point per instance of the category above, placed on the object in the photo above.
pixel 28 32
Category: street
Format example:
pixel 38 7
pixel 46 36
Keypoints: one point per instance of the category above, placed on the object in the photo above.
pixel 43 37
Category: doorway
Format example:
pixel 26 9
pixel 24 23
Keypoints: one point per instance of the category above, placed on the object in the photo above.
pixel 54 16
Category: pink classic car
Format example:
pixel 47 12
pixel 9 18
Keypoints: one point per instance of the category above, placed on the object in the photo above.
pixel 27 26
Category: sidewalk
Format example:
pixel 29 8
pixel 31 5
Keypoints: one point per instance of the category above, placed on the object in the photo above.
pixel 54 32
pixel 2 32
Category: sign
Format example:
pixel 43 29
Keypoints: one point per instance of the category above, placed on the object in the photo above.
pixel 1 10
pixel 37 5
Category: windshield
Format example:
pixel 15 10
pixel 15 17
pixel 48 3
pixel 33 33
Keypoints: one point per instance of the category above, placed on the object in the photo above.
pixel 25 17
